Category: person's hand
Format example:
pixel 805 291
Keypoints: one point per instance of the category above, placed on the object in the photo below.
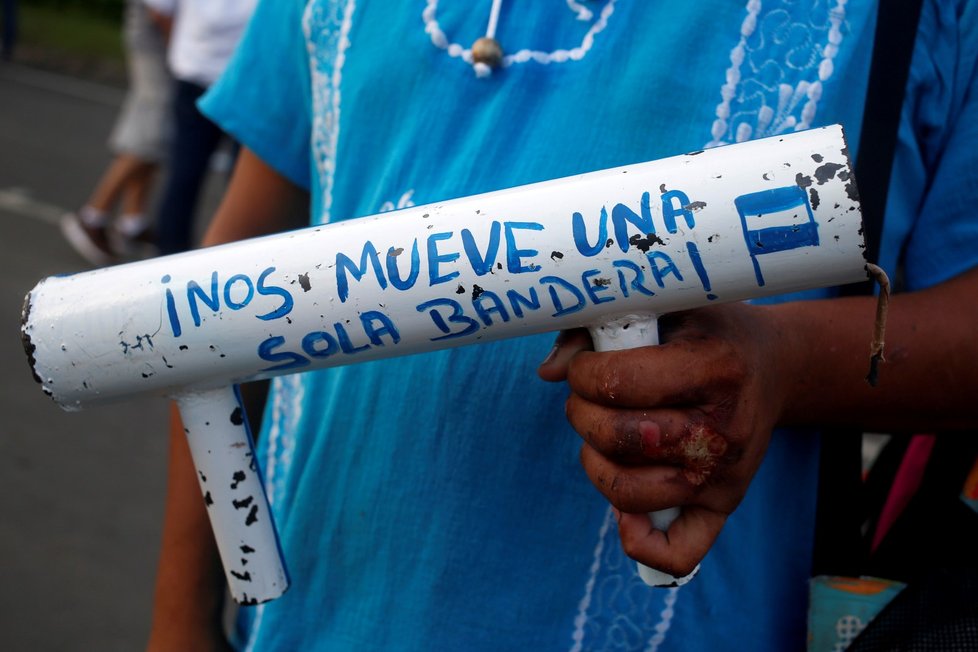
pixel 682 424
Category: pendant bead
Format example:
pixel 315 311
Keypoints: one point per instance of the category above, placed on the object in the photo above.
pixel 487 51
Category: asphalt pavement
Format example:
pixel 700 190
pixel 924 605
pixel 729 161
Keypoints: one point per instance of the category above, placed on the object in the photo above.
pixel 81 494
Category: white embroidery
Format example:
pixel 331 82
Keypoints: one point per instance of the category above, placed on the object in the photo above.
pixel 403 202
pixel 274 432
pixel 665 620
pixel 439 40
pixel 749 108
pixel 281 442
pixel 585 603
pixel 255 625
pixel 278 458
pixel 583 13
pixel 327 32
pixel 270 473
pixel 617 612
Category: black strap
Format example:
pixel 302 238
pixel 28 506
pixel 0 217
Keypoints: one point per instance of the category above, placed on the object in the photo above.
pixel 896 31
pixel 839 548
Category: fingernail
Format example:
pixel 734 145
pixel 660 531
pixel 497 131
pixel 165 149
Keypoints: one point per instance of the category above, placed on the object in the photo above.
pixel 550 356
pixel 553 352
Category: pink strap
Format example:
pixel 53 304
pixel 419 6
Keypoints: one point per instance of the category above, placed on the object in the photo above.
pixel 905 484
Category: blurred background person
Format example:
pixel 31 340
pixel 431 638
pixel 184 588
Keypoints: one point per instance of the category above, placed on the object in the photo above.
pixel 204 35
pixel 8 31
pixel 114 224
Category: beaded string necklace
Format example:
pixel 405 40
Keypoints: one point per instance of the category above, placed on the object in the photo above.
pixel 486 54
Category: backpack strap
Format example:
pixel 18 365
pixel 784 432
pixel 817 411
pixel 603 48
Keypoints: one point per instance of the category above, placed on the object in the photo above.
pixel 896 32
pixel 839 548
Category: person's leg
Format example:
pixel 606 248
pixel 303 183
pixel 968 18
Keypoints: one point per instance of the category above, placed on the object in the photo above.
pixel 87 230
pixel 131 235
pixel 195 140
pixel 124 170
pixel 135 196
pixel 8 38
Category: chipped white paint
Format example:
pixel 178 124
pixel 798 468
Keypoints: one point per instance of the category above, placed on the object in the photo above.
pixel 224 457
pixel 748 220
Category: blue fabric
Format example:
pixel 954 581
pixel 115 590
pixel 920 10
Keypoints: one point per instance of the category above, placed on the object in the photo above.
pixel 436 502
pixel 936 172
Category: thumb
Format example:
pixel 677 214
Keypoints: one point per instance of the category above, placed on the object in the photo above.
pixel 568 344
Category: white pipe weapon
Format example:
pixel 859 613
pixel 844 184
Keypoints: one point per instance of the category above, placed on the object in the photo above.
pixel 608 250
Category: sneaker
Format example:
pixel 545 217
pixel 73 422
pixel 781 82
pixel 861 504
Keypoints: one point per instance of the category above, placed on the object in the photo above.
pixel 91 243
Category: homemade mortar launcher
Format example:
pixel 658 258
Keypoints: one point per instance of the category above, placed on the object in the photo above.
pixel 608 250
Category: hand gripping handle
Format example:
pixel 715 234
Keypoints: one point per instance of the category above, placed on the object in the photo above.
pixel 629 332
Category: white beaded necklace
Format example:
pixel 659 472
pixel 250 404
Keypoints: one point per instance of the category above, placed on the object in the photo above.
pixel 486 54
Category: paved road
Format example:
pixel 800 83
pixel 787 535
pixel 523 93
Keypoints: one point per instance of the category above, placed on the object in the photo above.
pixel 81 495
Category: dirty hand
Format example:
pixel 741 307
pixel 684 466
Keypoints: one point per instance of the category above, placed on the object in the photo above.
pixel 685 423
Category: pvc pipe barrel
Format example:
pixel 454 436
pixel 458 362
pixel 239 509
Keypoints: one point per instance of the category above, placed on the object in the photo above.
pixel 737 222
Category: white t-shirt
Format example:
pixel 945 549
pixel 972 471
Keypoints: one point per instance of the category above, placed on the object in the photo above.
pixel 205 33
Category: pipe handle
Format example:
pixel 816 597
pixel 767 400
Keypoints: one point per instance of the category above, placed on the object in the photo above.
pixel 224 456
pixel 629 332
